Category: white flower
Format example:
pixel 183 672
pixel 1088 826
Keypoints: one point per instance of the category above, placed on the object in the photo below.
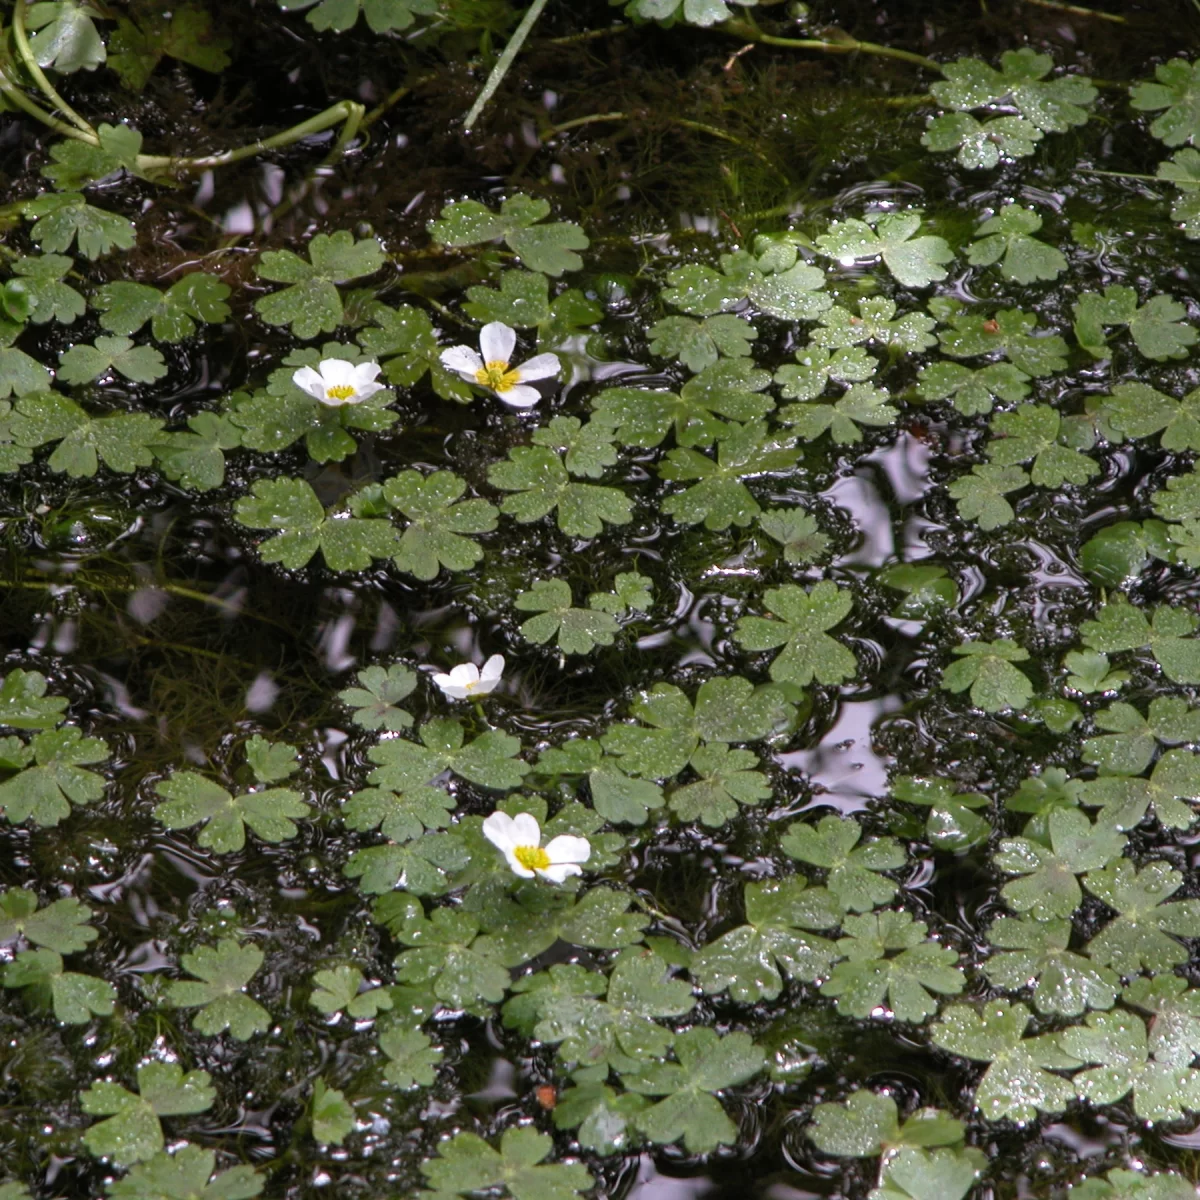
pixel 338 382
pixel 467 680
pixel 520 839
pixel 492 370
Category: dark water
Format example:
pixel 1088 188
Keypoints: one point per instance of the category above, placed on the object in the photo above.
pixel 148 607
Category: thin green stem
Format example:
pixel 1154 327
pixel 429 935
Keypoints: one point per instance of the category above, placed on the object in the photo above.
pixel 17 95
pixel 348 113
pixel 505 61
pixel 587 35
pixel 39 76
pixel 844 45
pixel 1124 175
pixel 579 122
pixel 1077 10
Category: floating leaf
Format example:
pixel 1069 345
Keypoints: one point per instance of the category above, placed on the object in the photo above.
pixel 1036 431
pixel 916 1174
pixel 438 518
pixel 1157 326
pixel 62 217
pixel 123 441
pixel 383 16
pixel 490 760
pixel 224 971
pixel 1138 938
pixel 1009 332
pixel 76 998
pixel 913 261
pixel 876 322
pixel 332 1115
pixel 987 669
pixel 1175 91
pixel 190 1173
pixel 44 793
pixel 1007 239
pixel 466 1163
pixel 699 344
pixel 579 630
pixel 413 1059
pixel 867 1124
pixel 973 392
pixel 541 247
pixel 172 314
pixel 799 621
pixel 62 925
pixel 341 989
pixel 852 869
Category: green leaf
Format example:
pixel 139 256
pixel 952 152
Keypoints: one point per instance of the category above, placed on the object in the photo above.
pixel 466 1163
pixel 541 485
pixel 185 32
pixel 699 344
pixel 1036 952
pixel 632 592
pixel 438 518
pixel 913 261
pixel 952 824
pixel 422 866
pixel 973 392
pixel 777 941
pixel 862 404
pixel 82 363
pixel 867 1124
pixel 522 300
pixel 579 630
pixel 76 998
pixel 225 970
pixel 187 1174
pixel 66 38
pixel 123 441
pixel 1176 777
pixel 39 277
pixel 291 507
pixel 24 703
pixel 405 338
pixel 312 303
pixel 490 760
pixel 1169 635
pixel 773 279
pixel 132 1132
pixel 916 1174
pixel 1178 91
pixel 987 669
pixel 75 163
pixel 443 957
pixel 979 144
pixel 1175 1031
pixel 62 925
pixel 173 314
pixel 1158 328
pixel 341 989
pixel 586 449
pixel 602 1116
pixel 1131 740
pixel 379 692
pixel 979 496
pixel 1139 937
pixel 818 365
pixel 620 1029
pixel 852 869
pixel 1048 887
pixel 1052 105
pixel 1006 239
pixel 332 1115
pixel 413 1059
pixel 44 793
pixel 195 457
pixel 869 977
pixel 690 1113
pixel 401 818
pixel 190 799
pixel 876 322
pixel 1036 431
pixel 1091 673
pixel 549 248
pixel 1136 410
pixel 1133 1185
pixel 799 621
pixel 62 217
pixel 727 779
pixel 797 532
pixel 1018 1084
pixel 1162 1091
pixel 1009 332
pixel 639 417
pixel 383 16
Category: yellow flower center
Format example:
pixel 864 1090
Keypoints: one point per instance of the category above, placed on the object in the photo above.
pixel 497 376
pixel 341 391
pixel 532 858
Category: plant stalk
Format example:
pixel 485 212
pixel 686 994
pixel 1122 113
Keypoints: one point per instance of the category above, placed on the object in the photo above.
pixel 846 45
pixel 39 76
pixel 504 62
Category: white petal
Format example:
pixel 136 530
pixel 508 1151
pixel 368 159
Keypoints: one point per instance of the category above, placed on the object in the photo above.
pixel 365 373
pixel 520 396
pixel 568 849
pixel 337 372
pixel 449 688
pixel 465 674
pixel 492 670
pixel 541 366
pixel 364 392
pixel 499 830
pixel 518 867
pixel 310 381
pixel 559 872
pixel 462 360
pixel 526 830
pixel 497 341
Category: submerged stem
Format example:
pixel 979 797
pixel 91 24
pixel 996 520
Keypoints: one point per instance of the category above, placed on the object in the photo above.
pixel 39 76
pixel 505 61
pixel 1078 10
pixel 844 45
